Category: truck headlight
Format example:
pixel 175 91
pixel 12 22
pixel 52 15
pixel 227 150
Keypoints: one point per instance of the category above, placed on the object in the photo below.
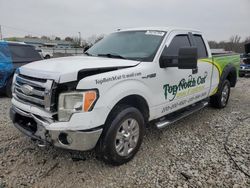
pixel 73 102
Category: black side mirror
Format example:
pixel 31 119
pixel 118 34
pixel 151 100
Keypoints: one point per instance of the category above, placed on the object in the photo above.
pixel 187 58
pixel 168 61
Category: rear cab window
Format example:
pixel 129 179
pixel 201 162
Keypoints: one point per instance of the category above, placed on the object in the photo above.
pixel 202 50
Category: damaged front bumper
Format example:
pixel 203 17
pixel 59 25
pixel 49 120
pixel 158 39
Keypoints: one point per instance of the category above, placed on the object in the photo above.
pixel 35 127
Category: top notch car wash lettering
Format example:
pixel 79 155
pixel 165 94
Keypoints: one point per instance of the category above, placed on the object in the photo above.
pixel 117 77
pixel 184 84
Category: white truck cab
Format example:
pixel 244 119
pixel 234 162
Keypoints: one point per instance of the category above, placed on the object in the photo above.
pixel 105 99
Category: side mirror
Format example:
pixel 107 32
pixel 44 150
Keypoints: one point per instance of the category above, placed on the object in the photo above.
pixel 168 61
pixel 187 58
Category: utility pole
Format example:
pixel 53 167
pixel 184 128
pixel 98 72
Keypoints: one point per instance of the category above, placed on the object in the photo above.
pixel 1 35
pixel 80 39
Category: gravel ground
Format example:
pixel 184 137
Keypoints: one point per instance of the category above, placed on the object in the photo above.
pixel 189 153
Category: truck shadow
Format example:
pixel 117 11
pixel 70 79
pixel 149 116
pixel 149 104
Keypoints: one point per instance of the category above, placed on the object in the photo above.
pixel 2 95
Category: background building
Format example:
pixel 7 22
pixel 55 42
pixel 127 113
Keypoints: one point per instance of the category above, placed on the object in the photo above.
pixel 45 43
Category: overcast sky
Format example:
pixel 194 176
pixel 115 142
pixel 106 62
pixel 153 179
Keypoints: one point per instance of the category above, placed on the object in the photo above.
pixel 218 19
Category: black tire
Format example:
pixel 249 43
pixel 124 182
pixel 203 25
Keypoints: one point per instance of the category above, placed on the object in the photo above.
pixel 8 87
pixel 106 147
pixel 47 57
pixel 217 100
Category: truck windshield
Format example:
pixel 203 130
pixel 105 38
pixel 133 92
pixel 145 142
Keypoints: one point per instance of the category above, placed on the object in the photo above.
pixel 134 45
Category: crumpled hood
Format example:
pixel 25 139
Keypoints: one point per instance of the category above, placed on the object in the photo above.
pixel 66 69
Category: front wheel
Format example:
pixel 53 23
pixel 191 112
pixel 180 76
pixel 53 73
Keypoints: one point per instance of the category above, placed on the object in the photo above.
pixel 220 99
pixel 122 136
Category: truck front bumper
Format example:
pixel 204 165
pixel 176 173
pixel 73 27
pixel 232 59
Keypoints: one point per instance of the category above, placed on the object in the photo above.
pixel 35 127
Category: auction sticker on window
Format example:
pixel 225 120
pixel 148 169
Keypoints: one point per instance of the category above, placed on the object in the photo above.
pixel 157 33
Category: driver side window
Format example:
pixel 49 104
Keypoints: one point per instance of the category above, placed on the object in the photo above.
pixel 178 42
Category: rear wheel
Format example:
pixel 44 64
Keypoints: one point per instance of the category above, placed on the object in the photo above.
pixel 122 136
pixel 47 57
pixel 220 100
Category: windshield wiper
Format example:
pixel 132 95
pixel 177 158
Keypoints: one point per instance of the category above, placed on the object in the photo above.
pixel 111 56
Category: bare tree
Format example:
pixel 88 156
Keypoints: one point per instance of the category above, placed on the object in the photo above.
pixel 235 39
pixel 30 36
pixel 57 38
pixel 247 40
pixel 69 39
pixel 45 37
pixel 94 39
pixel 233 44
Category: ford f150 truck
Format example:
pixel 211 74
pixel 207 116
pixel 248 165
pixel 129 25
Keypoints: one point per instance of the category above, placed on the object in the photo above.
pixel 130 79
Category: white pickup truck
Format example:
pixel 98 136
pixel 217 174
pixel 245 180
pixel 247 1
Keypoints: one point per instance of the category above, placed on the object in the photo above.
pixel 130 79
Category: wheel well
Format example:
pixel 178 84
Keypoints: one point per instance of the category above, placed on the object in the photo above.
pixel 138 102
pixel 232 77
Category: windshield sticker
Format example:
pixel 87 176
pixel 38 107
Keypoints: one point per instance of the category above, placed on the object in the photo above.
pixel 117 77
pixel 185 87
pixel 156 33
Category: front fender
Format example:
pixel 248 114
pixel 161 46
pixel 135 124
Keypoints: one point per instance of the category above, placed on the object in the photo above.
pixel 123 89
pixel 111 93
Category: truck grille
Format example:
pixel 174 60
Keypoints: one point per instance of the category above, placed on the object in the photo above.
pixel 34 91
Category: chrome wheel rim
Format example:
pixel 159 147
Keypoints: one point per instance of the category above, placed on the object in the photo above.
pixel 127 137
pixel 224 95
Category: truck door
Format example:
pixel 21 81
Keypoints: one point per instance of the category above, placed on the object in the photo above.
pixel 182 87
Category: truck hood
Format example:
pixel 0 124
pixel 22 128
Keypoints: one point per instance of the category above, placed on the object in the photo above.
pixel 66 69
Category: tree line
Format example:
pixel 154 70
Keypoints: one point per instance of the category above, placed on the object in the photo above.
pixel 76 41
pixel 235 44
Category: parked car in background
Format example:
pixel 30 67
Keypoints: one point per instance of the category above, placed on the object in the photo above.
pixel 244 70
pixel 12 56
pixel 45 53
pixel 245 63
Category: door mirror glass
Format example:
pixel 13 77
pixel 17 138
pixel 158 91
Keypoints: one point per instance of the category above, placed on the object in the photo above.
pixel 168 61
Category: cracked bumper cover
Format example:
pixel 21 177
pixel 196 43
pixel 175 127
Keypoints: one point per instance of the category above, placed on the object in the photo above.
pixel 35 127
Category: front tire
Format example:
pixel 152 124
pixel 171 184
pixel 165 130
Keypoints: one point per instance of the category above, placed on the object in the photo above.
pixel 220 99
pixel 122 135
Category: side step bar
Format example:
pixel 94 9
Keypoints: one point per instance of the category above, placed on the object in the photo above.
pixel 170 119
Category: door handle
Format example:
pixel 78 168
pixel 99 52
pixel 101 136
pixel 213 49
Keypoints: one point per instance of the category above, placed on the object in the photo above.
pixel 195 71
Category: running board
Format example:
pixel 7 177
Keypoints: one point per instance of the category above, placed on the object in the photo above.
pixel 170 119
